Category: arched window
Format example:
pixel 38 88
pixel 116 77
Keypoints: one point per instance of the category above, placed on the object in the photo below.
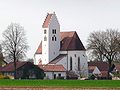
pixel 70 63
pixel 55 31
pixel 52 38
pixel 45 38
pixel 55 39
pixel 78 63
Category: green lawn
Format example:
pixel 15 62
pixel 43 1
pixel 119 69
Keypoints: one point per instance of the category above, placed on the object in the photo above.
pixel 63 83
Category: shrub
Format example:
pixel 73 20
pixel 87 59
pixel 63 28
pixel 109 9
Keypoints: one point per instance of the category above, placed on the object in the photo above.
pixel 6 77
pixel 1 76
pixel 92 77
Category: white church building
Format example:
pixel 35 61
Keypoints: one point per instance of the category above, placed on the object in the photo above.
pixel 63 50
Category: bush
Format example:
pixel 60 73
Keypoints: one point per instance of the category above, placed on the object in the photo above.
pixel 92 77
pixel 1 76
pixel 6 77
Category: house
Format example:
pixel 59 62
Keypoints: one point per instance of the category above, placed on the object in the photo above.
pixel 25 70
pixel 54 71
pixel 94 70
pixel 61 48
pixel 102 67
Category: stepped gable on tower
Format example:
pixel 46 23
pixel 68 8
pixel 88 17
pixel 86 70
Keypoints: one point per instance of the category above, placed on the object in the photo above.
pixel 47 21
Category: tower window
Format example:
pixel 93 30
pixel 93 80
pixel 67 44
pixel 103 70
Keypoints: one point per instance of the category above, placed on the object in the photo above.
pixel 53 31
pixel 45 38
pixel 70 63
pixel 52 38
pixel 55 38
pixel 45 31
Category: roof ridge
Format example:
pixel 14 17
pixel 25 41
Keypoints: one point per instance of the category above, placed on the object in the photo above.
pixel 67 31
pixel 57 59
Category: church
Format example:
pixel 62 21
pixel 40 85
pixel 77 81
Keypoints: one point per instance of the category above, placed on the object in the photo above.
pixel 60 53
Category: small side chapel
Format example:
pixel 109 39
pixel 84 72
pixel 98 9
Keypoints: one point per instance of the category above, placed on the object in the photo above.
pixel 63 49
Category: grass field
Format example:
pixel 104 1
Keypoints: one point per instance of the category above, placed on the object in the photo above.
pixel 63 83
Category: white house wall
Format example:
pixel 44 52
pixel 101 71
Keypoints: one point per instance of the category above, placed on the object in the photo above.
pixel 37 57
pixel 50 75
pixel 96 71
pixel 63 62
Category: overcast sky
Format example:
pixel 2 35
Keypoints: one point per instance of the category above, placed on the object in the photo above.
pixel 82 16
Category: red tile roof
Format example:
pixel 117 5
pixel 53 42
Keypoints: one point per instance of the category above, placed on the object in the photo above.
pixel 117 66
pixel 102 66
pixel 69 41
pixel 47 21
pixel 39 50
pixel 104 73
pixel 10 67
pixel 57 59
pixel 91 68
pixel 51 67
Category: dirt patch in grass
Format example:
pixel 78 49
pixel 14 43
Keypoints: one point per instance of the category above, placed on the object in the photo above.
pixel 50 88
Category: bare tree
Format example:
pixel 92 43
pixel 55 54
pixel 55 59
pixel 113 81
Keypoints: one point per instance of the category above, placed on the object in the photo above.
pixel 1 57
pixel 14 43
pixel 105 45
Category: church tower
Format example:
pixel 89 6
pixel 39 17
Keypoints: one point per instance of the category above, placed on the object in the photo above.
pixel 50 38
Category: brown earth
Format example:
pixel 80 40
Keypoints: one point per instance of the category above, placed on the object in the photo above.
pixel 39 88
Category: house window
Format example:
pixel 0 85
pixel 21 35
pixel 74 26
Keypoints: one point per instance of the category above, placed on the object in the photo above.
pixel 78 63
pixel 45 74
pixel 45 31
pixel 59 75
pixel 70 63
pixel 45 38
pixel 54 76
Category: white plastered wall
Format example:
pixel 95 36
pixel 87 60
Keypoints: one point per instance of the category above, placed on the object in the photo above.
pixel 83 62
pixel 54 46
pixel 96 71
pixel 50 75
pixel 37 57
